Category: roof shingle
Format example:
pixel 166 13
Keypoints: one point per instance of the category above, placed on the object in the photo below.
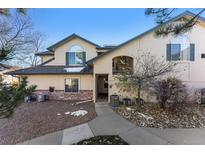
pixel 50 70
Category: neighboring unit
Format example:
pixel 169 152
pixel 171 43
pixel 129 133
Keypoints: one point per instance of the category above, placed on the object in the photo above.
pixel 77 68
pixel 4 68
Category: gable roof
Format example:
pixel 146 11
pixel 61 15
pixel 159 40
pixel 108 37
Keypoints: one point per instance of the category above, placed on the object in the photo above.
pixel 186 13
pixel 51 48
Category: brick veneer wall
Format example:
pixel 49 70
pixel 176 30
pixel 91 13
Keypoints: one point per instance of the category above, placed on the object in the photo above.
pixel 61 95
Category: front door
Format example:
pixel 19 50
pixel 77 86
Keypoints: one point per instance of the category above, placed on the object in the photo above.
pixel 102 88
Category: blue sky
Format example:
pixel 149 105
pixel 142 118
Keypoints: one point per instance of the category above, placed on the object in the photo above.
pixel 101 26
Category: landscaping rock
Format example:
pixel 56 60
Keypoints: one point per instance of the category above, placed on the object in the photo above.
pixel 151 115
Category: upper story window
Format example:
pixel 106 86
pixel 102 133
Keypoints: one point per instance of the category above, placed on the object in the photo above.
pixel 75 56
pixel 180 49
pixel 122 64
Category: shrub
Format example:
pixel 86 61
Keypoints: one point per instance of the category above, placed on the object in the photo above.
pixel 103 140
pixel 170 91
pixel 12 95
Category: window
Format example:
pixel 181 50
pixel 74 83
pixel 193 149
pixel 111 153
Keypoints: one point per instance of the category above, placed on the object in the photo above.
pixel 75 56
pixel 180 49
pixel 71 85
pixel 203 55
pixel 175 51
pixel 122 64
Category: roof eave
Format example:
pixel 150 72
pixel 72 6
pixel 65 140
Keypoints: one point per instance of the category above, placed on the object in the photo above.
pixel 45 53
pixel 38 54
pixel 70 73
pixel 54 46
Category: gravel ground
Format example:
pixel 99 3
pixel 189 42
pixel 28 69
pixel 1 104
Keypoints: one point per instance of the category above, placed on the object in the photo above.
pixel 34 119
pixel 151 115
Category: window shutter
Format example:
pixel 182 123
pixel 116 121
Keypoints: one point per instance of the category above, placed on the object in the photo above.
pixel 168 52
pixel 192 52
pixel 84 57
pixel 67 58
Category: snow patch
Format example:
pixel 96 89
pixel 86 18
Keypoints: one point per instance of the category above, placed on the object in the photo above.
pixel 79 113
pixel 145 116
pixel 73 69
pixel 58 114
pixel 66 113
pixel 129 109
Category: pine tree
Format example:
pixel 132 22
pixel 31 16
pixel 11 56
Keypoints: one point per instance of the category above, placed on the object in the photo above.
pixel 11 96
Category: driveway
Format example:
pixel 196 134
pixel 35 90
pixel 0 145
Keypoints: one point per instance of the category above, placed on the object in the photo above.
pixel 109 123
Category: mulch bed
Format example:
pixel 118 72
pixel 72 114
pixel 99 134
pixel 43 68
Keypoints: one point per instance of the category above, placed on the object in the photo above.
pixel 34 119
pixel 103 140
pixel 151 115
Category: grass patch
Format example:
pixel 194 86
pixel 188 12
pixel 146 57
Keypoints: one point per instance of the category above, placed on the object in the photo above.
pixel 103 140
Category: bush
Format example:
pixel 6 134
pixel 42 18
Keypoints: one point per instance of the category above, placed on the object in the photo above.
pixel 12 95
pixel 103 140
pixel 170 91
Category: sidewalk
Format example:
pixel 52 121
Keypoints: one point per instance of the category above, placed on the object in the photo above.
pixel 109 123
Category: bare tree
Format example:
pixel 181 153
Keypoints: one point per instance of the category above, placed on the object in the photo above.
pixel 28 56
pixel 15 33
pixel 147 68
pixel 38 45
pixel 162 15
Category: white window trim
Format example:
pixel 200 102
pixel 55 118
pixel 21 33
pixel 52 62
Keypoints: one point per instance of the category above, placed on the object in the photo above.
pixel 79 84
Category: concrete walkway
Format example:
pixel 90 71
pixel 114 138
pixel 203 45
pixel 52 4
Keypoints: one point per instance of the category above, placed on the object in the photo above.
pixel 110 123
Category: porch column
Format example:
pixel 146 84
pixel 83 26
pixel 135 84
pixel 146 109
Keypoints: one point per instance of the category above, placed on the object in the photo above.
pixel 94 88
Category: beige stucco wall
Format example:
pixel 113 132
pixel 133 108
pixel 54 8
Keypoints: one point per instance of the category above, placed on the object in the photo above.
pixel 43 82
pixel 60 52
pixel 193 73
pixel 46 58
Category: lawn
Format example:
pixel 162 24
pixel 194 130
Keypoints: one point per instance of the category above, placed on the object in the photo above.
pixel 34 119
pixel 151 115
